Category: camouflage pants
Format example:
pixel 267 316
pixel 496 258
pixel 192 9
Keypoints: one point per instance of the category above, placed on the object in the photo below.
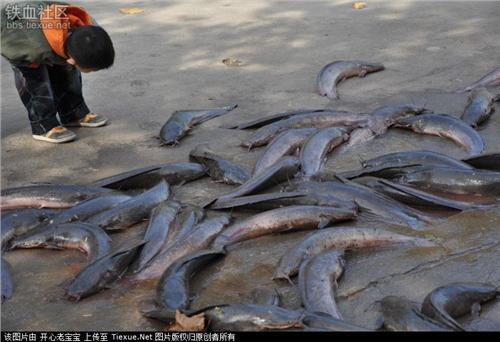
pixel 48 90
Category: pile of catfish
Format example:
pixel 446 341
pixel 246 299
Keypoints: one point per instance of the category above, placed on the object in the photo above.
pixel 288 190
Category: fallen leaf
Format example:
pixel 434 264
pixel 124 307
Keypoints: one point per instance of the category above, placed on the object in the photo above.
pixel 359 5
pixel 232 62
pixel 185 323
pixel 132 10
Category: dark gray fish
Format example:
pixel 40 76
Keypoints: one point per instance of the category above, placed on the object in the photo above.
pixel 199 238
pixel 281 220
pixel 7 280
pixel 262 295
pixel 386 116
pixel 357 137
pixel 448 302
pixel 448 126
pixel 318 282
pixel 219 169
pixel 103 272
pixel 21 221
pixel 453 180
pixel 333 73
pixel 370 203
pixel 479 107
pixel 185 223
pixel 172 173
pixel 173 289
pixel 315 199
pixel 270 119
pixel 412 196
pixel 340 238
pixel 250 200
pixel 160 222
pixel 181 122
pixel 284 199
pixel 400 314
pixel 85 237
pixel 251 317
pixel 325 322
pixel 386 172
pixel 109 181
pixel 490 161
pixel 48 196
pixel 86 209
pixel 489 80
pixel 313 153
pixel 132 211
pixel 381 119
pixel 399 163
pixel 410 158
pixel 284 144
pixel 162 315
pixel 279 172
pixel 347 120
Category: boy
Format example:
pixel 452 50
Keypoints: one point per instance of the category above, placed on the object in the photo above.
pixel 49 44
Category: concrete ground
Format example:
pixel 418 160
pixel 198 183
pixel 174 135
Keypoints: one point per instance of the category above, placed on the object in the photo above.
pixel 169 58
